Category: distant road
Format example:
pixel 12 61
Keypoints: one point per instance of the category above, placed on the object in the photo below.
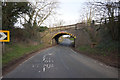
pixel 62 62
pixel 66 42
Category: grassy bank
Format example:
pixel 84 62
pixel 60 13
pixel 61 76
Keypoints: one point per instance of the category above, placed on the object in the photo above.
pixel 16 50
pixel 90 50
pixel 107 53
pixel 101 48
pixel 72 39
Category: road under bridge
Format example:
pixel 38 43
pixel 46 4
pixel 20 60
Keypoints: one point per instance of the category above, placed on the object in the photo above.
pixel 76 31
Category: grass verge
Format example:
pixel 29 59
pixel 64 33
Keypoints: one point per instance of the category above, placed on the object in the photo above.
pixel 15 51
pixel 72 39
pixel 90 50
pixel 107 55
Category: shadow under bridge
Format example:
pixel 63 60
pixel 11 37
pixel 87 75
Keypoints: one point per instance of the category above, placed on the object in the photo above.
pixel 55 38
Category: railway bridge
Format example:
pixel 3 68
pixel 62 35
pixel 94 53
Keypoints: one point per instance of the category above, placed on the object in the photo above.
pixel 77 31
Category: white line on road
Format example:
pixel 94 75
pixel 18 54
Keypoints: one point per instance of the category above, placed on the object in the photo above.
pixel 43 69
pixel 1 78
pixel 33 66
pixel 95 61
pixel 26 60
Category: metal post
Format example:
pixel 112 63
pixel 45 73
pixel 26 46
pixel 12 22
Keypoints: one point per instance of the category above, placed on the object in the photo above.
pixel 3 47
pixel 74 43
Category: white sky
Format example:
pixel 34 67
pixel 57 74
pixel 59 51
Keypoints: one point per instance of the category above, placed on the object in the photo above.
pixel 69 10
pixel 66 35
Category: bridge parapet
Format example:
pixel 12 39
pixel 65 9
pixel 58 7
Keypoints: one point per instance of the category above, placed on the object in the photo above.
pixel 82 36
pixel 67 27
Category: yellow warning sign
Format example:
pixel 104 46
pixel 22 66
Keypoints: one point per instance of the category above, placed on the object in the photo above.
pixel 4 36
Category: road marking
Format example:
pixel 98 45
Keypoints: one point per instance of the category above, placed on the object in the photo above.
pixel 1 78
pixel 46 61
pixel 50 53
pixel 43 69
pixel 95 61
pixel 43 58
pixel 73 51
pixel 26 60
pixel 33 66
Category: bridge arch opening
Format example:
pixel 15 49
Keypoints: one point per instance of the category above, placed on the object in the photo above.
pixel 55 38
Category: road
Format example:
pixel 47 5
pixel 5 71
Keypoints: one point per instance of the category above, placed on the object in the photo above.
pixel 66 42
pixel 62 62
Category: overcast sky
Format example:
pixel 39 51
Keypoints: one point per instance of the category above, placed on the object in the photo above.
pixel 69 10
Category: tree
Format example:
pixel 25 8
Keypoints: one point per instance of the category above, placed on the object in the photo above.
pixel 59 23
pixel 40 12
pixel 42 28
pixel 88 13
pixel 107 14
pixel 31 15
pixel 11 12
pixel 108 11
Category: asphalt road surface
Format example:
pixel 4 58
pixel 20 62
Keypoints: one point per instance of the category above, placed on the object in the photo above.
pixel 62 62
pixel 66 42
